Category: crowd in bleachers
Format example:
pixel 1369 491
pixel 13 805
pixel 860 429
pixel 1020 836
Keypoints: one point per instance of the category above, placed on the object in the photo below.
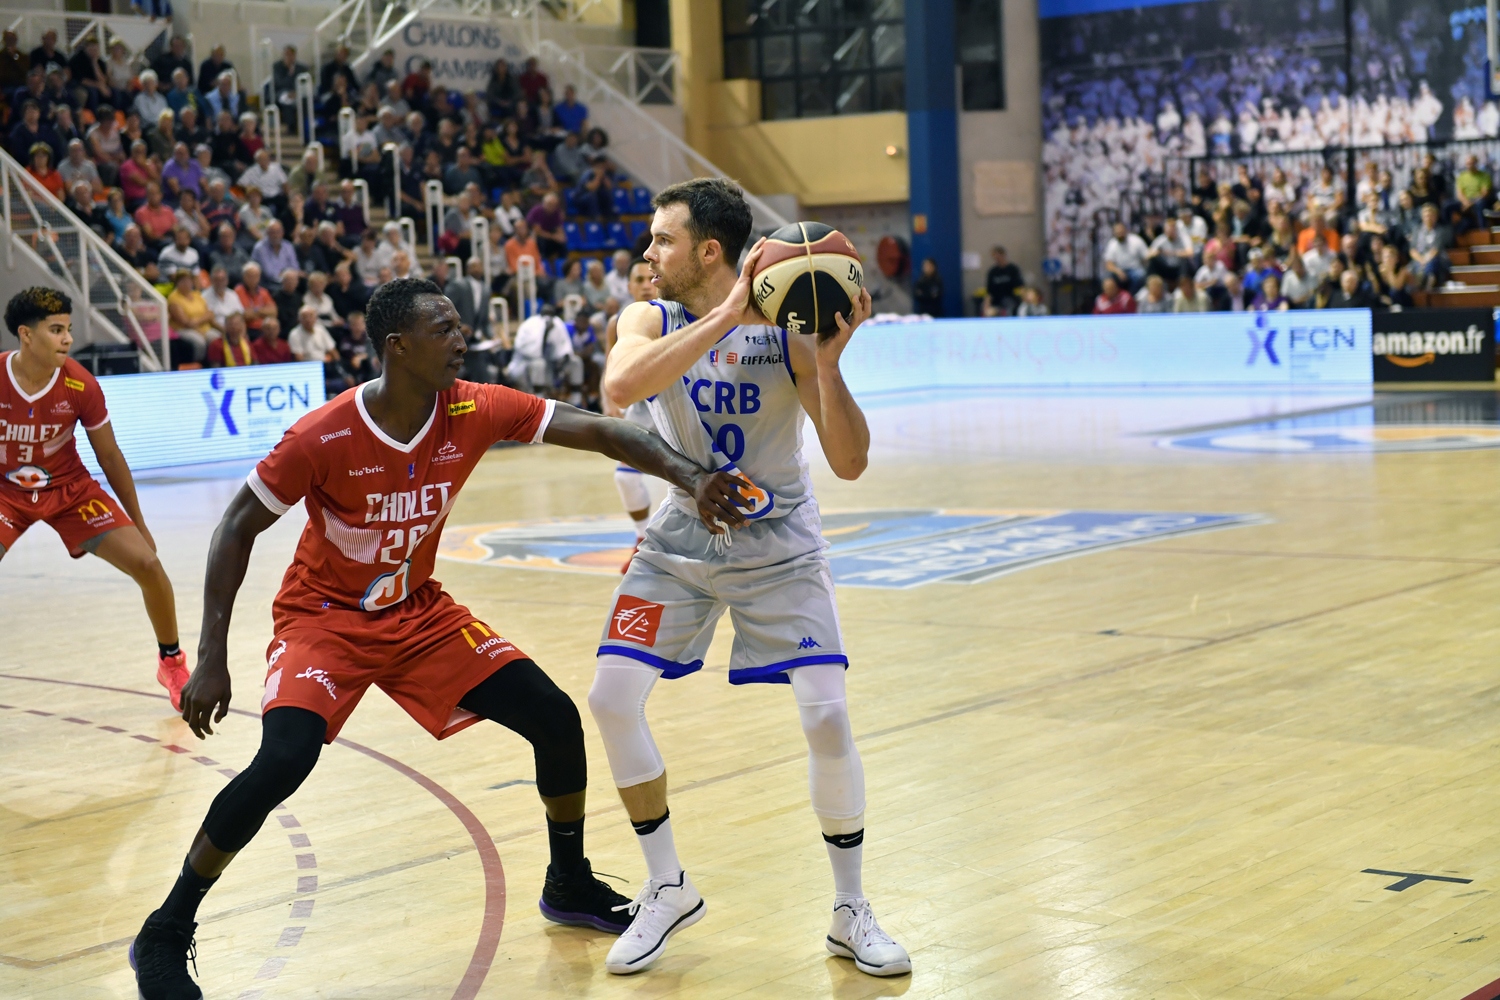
pixel 171 165
pixel 1252 242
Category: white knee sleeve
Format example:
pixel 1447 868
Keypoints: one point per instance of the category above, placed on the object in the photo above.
pixel 618 702
pixel 835 776
pixel 633 492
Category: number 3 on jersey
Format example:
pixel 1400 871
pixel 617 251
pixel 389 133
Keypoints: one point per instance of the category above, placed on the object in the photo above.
pixel 390 589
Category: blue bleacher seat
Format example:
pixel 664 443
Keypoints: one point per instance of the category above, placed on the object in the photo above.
pixel 593 236
pixel 574 235
pixel 617 237
pixel 637 230
pixel 622 201
pixel 642 199
pixel 570 198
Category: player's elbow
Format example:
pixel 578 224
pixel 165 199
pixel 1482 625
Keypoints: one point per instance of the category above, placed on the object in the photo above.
pixel 851 467
pixel 620 388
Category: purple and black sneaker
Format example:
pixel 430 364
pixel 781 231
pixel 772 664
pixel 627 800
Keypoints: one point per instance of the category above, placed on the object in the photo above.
pixel 578 899
pixel 160 954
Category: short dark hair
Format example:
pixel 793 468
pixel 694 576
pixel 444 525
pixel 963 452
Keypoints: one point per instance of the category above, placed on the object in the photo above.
pixel 30 306
pixel 717 210
pixel 393 307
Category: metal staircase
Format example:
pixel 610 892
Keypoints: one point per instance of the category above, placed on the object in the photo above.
pixel 121 305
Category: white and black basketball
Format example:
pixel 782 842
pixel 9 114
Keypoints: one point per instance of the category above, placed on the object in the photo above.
pixel 807 272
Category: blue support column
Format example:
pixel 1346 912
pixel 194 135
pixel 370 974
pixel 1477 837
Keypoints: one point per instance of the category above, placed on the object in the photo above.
pixel 932 145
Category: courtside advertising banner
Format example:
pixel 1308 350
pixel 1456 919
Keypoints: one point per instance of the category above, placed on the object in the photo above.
pixel 1435 345
pixel 1304 347
pixel 164 419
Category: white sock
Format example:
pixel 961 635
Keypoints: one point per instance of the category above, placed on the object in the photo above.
pixel 657 846
pixel 847 862
pixel 640 527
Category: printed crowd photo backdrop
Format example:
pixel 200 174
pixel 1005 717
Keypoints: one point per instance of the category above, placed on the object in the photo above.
pixel 1127 90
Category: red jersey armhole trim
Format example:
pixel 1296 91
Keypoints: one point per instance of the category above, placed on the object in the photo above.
pixel 541 428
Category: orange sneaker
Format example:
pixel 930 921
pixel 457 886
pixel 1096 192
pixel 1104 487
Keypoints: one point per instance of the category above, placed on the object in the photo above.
pixel 633 550
pixel 172 674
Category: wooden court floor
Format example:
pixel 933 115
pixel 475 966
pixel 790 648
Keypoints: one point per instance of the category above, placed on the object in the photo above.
pixel 1159 771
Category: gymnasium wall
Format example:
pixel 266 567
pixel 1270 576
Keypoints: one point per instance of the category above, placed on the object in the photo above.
pixel 822 161
pixel 1126 89
pixel 1004 148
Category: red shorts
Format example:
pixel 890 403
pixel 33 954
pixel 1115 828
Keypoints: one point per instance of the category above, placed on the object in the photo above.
pixel 426 653
pixel 78 511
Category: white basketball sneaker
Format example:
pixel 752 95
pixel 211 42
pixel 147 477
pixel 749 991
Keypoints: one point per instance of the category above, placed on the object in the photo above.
pixel 663 908
pixel 856 935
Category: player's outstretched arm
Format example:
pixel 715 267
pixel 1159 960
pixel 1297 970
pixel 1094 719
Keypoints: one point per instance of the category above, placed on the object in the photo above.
pixel 117 471
pixel 206 694
pixel 839 421
pixel 716 493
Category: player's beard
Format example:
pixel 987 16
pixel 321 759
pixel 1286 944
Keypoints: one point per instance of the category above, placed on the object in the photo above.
pixel 690 278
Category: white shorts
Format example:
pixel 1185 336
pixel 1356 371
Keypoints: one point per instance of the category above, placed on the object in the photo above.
pixel 773 579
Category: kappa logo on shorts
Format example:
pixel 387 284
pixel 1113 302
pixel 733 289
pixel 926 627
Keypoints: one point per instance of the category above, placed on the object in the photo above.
pixel 320 676
pixel 635 620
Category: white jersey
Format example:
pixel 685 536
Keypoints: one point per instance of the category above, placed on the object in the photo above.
pixel 744 395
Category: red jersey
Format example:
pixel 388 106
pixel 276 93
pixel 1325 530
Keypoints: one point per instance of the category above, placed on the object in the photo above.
pixel 375 506
pixel 37 450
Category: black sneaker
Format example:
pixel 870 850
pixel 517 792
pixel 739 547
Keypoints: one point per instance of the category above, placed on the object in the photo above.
pixel 160 954
pixel 578 899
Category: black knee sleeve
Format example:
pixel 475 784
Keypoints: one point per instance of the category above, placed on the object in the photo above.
pixel 290 741
pixel 522 698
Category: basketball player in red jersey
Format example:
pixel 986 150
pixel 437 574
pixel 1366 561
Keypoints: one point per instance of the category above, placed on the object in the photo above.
pixel 43 394
pixel 378 470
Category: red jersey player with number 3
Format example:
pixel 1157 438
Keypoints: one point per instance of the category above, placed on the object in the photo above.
pixel 378 470
pixel 44 394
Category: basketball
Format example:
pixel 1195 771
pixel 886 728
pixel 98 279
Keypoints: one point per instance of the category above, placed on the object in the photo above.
pixel 807 272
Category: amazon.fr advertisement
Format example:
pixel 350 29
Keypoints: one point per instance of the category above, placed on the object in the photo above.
pixel 1435 345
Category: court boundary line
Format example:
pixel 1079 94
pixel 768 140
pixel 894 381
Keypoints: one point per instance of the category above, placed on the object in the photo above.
pixel 493 922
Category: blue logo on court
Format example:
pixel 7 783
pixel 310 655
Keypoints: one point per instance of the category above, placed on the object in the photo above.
pixel 888 549
pixel 1297 438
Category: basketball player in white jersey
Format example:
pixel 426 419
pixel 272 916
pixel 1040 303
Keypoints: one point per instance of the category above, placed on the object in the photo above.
pixel 730 392
pixel 635 495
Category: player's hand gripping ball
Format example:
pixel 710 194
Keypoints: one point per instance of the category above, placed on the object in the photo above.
pixel 807 272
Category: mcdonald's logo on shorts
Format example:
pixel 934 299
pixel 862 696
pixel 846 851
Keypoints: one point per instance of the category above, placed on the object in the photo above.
pixel 95 512
pixel 485 642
